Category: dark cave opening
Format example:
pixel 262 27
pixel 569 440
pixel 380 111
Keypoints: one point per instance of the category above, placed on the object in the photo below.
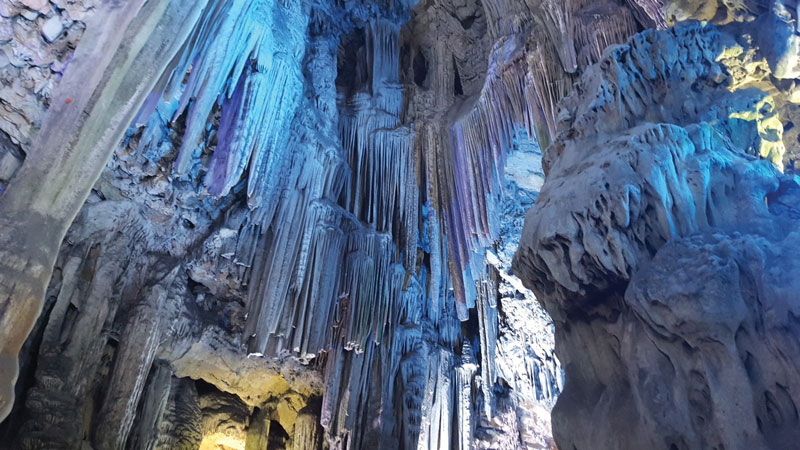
pixel 470 330
pixel 458 89
pixel 420 68
pixel 278 437
pixel 468 21
pixel 352 67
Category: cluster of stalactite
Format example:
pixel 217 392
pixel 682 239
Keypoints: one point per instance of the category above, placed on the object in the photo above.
pixel 539 47
pixel 306 247
pixel 333 215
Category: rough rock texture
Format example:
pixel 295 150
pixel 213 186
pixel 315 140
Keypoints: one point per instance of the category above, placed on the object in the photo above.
pixel 659 246
pixel 37 40
pixel 524 352
pixel 304 237
pixel 96 100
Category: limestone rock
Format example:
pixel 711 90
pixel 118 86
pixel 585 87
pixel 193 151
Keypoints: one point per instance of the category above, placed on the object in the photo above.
pixel 36 5
pixel 33 54
pixel 52 28
pixel 656 245
pixel 299 241
pixel 780 38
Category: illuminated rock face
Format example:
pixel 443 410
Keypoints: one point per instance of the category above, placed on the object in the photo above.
pixel 270 259
pixel 290 224
pixel 659 244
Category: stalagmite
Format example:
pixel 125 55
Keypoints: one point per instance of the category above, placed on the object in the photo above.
pixel 145 431
pixel 258 432
pixel 306 432
pixel 465 374
pixel 487 324
pixel 122 395
pixel 181 426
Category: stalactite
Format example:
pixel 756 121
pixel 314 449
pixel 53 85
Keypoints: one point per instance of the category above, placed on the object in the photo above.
pixel 348 375
pixel 380 150
pixel 353 241
pixel 464 384
pixel 382 191
pixel 650 13
pixel 437 405
pixel 412 374
pixel 383 49
pixel 487 327
pixel 372 284
pixel 96 280
pixel 430 141
pixel 479 141
pixel 258 431
pixel 133 361
pixel 507 17
pixel 182 424
pixel 596 27
pixel 369 286
pixel 523 85
pixel 293 252
pixel 155 401
pixel 550 82
pixel 239 60
pixel 557 18
pixel 277 264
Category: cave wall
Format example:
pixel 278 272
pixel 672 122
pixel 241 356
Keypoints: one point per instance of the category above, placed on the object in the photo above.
pixel 263 251
pixel 304 236
pixel 660 242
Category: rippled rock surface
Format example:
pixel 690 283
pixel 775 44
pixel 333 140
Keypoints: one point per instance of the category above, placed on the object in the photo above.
pixel 660 245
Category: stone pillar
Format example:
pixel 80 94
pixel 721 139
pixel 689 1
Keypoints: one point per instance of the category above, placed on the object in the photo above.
pixel 258 432
pixel 306 432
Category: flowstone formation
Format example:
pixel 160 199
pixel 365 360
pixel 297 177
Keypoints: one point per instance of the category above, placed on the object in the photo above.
pixel 273 256
pixel 258 224
pixel 659 244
